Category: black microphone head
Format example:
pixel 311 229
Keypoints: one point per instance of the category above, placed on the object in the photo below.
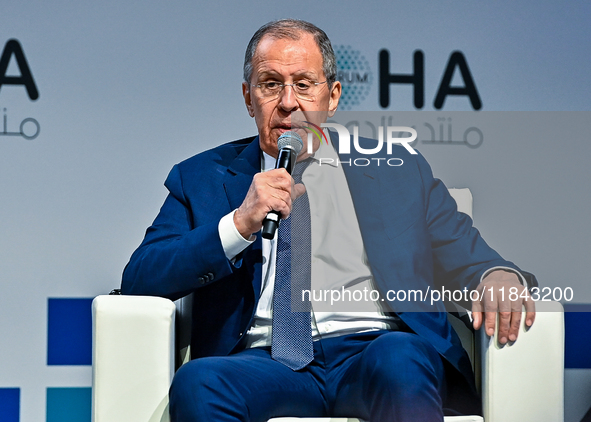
pixel 290 140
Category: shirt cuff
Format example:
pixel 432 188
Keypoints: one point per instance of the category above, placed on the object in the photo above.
pixel 232 241
pixel 509 269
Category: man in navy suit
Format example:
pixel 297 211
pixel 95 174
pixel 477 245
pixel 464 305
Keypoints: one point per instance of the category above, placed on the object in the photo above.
pixel 387 365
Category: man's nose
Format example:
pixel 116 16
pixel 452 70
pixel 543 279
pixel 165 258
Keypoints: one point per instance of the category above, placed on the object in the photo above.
pixel 287 99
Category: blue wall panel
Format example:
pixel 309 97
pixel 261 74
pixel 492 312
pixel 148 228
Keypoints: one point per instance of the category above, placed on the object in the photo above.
pixel 69 331
pixel 9 404
pixel 69 404
pixel 577 331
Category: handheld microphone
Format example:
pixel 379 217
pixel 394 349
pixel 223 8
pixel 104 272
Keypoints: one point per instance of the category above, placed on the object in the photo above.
pixel 290 144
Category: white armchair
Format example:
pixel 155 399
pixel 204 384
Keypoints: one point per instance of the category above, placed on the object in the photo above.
pixel 139 341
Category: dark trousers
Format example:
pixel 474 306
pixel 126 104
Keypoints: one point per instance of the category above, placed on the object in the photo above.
pixel 377 376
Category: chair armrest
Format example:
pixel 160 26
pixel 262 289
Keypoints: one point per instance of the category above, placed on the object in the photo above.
pixel 524 381
pixel 133 358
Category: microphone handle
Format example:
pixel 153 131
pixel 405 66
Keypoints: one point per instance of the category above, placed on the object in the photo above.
pixel 285 160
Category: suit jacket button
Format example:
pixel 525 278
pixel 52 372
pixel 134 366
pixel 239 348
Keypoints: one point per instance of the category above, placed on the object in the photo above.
pixel 201 280
pixel 210 276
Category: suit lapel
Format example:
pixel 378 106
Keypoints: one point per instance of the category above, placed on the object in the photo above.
pixel 240 173
pixel 362 181
pixel 236 184
pixel 364 186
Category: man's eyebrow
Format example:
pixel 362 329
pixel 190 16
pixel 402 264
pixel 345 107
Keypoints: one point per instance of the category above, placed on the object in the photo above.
pixel 299 74
pixel 268 74
pixel 306 74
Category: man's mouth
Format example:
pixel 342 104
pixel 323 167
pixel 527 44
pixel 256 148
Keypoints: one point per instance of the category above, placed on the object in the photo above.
pixel 283 127
pixel 287 127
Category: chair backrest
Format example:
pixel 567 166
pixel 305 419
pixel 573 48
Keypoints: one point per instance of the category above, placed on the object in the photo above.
pixel 463 198
pixel 184 314
pixel 459 318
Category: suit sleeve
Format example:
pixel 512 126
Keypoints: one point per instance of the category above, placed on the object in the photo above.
pixel 460 254
pixel 176 256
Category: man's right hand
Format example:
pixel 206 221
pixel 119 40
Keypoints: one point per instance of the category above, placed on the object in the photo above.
pixel 273 190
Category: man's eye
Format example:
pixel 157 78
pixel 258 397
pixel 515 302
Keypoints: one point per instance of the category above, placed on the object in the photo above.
pixel 303 85
pixel 271 85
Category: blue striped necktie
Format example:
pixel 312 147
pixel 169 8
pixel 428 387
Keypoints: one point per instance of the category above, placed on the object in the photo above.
pixel 291 339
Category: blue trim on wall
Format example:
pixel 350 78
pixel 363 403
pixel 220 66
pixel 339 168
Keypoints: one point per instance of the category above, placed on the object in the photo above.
pixel 69 331
pixel 72 404
pixel 10 404
pixel 577 341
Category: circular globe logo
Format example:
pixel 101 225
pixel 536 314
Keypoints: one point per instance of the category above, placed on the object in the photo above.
pixel 354 74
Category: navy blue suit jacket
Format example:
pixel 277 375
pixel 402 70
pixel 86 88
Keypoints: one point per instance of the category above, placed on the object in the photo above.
pixel 413 235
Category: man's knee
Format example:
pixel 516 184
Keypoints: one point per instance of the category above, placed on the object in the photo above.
pixel 404 359
pixel 193 376
pixel 197 385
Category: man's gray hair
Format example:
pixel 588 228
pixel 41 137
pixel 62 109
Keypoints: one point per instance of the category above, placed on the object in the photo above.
pixel 291 29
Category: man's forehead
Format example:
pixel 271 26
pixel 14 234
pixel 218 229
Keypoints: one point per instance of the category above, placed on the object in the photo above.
pixel 295 36
pixel 300 53
pixel 304 44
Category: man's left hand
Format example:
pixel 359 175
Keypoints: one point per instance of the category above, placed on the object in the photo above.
pixel 502 294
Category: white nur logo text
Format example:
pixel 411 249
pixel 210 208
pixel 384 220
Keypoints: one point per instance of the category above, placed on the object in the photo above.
pixel 345 139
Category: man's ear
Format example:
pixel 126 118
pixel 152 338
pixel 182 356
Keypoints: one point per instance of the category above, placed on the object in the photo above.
pixel 247 98
pixel 335 95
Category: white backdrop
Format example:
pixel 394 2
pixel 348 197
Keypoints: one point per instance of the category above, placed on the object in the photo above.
pixel 127 89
